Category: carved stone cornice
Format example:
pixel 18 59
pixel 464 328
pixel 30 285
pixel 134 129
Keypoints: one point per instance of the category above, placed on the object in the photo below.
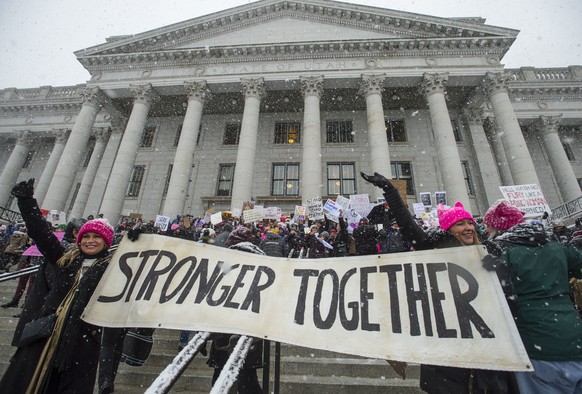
pixel 24 137
pixel 433 83
pixel 549 124
pixel 92 96
pixel 312 86
pixel 253 87
pixel 144 94
pixel 371 84
pixel 197 90
pixel 44 107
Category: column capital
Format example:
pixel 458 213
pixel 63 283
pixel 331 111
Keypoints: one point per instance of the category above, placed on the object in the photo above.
pixel 117 124
pixel 371 84
pixel 197 90
pixel 549 124
pixel 253 87
pixel 92 96
pixel 145 94
pixel 474 115
pixel 60 135
pixel 101 133
pixel 495 82
pixel 433 83
pixel 24 137
pixel 312 86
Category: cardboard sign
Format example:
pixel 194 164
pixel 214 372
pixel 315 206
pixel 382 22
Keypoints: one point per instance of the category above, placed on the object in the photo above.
pixel 314 208
pixel 527 198
pixel 432 307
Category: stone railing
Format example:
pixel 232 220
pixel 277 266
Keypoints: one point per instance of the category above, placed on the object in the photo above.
pixel 41 93
pixel 573 73
pixel 568 209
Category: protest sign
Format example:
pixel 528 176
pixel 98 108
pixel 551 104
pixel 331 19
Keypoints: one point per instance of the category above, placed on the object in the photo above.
pixel 418 208
pixel 426 199
pixel 299 213
pixel 432 307
pixel 440 198
pixel 353 218
pixel 527 198
pixel 33 249
pixel 216 218
pixel 332 210
pixel 272 213
pixel 360 203
pixel 343 202
pixel 253 215
pixel 162 222
pixel 56 218
pixel 314 208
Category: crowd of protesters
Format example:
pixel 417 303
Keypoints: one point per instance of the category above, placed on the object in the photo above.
pixel 392 229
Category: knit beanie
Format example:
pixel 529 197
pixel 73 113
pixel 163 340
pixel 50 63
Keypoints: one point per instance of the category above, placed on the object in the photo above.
pixel 503 216
pixel 450 216
pixel 97 226
pixel 238 235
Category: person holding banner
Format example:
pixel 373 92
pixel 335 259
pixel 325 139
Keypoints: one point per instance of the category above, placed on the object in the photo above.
pixel 65 360
pixel 549 325
pixel 457 228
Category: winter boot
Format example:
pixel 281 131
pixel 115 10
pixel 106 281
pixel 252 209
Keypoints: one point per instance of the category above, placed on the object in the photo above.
pixel 11 304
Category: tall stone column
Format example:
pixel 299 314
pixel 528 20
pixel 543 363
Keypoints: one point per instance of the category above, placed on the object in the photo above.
pixel 64 176
pixel 198 93
pixel 125 159
pixel 101 136
pixel 14 165
pixel 116 127
pixel 561 167
pixel 485 159
pixel 519 159
pixel 433 87
pixel 372 87
pixel 311 173
pixel 43 183
pixel 254 91
pixel 499 152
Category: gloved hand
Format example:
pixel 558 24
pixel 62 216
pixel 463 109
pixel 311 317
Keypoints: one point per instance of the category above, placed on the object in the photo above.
pixel 378 180
pixel 24 189
pixel 492 263
pixel 133 234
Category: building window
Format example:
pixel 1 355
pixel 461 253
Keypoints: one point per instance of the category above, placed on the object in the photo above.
pixel 147 138
pixel 178 134
pixel 395 130
pixel 231 134
pixel 285 179
pixel 457 130
pixel 339 131
pixel 403 170
pixel 287 133
pixel 28 159
pixel 569 151
pixel 88 158
pixel 135 181
pixel 168 176
pixel 225 179
pixel 341 178
pixel 468 179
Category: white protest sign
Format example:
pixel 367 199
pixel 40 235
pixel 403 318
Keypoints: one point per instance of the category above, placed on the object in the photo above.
pixel 314 208
pixel 527 198
pixel 253 215
pixel 343 202
pixel 332 210
pixel 236 213
pixel 432 307
pixel 56 218
pixel 361 203
pixel 162 222
pixel 353 218
pixel 216 218
pixel 418 208
pixel 271 213
pixel 299 213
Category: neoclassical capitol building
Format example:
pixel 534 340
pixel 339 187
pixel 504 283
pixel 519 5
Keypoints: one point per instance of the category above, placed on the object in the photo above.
pixel 279 101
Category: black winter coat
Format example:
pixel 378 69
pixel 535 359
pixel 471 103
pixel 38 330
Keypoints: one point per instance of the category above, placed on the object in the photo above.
pixel 74 366
pixel 436 379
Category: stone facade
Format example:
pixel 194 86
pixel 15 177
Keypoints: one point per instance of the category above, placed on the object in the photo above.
pixel 291 92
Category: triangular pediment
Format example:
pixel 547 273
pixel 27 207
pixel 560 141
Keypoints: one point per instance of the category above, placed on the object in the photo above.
pixel 282 21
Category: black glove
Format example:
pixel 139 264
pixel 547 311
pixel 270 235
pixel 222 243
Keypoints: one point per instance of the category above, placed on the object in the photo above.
pixel 492 263
pixel 133 234
pixel 24 189
pixel 378 180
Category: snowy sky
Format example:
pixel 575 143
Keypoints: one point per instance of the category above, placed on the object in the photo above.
pixel 38 38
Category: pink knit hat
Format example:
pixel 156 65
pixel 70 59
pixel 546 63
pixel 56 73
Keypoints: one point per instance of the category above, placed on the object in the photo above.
pixel 450 216
pixel 503 216
pixel 97 226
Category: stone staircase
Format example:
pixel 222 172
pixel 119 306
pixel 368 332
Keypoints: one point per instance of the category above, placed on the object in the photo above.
pixel 303 370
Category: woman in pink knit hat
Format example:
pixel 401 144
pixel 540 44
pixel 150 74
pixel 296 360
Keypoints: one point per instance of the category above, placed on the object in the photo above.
pixel 66 359
pixel 457 228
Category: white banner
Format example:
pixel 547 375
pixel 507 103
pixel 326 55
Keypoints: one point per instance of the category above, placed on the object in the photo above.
pixel 434 307
pixel 527 198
